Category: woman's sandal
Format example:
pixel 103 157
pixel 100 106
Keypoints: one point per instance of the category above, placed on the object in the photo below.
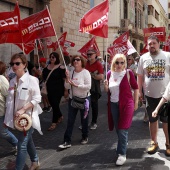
pixel 52 127
pixel 60 119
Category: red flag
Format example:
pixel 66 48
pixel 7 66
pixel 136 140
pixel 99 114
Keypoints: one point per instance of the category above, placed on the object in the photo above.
pixel 27 47
pixel 10 28
pixel 68 44
pixel 120 45
pixel 90 44
pixel 167 45
pixel 157 31
pixel 37 26
pixel 95 21
pixel 62 38
pixel 144 50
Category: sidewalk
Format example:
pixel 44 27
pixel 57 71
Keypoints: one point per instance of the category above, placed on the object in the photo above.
pixel 99 153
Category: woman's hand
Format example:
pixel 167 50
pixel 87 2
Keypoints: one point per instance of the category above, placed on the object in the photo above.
pixel 106 84
pixel 136 106
pixel 20 112
pixel 72 83
pixel 154 113
pixel 67 74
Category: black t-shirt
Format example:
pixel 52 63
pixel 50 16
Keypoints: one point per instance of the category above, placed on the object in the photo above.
pixel 55 83
pixel 30 67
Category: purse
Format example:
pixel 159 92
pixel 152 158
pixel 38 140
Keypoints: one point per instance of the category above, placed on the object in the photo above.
pixel 163 111
pixel 44 87
pixel 22 122
pixel 77 102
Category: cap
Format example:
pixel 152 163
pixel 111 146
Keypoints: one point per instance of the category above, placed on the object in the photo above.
pixel 43 60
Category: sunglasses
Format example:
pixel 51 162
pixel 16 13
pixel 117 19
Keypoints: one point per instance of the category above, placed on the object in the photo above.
pixel 76 59
pixel 129 59
pixel 52 57
pixel 119 62
pixel 16 63
pixel 88 55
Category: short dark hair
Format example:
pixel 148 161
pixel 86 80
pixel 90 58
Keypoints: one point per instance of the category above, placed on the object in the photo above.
pixel 81 58
pixel 21 56
pixel 57 56
pixel 2 68
pixel 153 37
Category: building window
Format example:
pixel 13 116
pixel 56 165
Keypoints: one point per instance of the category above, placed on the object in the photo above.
pixel 91 3
pixel 168 5
pixel 150 10
pixel 168 26
pixel 169 16
pixel 156 15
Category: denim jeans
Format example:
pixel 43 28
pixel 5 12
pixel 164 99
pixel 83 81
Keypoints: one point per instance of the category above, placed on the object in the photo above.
pixel 72 112
pixel 121 133
pixel 6 134
pixel 25 144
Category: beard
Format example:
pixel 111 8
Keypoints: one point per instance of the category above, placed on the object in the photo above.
pixel 153 52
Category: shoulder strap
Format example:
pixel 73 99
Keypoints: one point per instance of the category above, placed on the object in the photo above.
pixel 128 77
pixel 50 73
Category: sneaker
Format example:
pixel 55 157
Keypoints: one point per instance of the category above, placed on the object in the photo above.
pixel 153 148
pixel 65 145
pixel 49 109
pixel 14 150
pixel 84 141
pixel 45 109
pixel 80 127
pixel 93 126
pixel 167 152
pixel 121 160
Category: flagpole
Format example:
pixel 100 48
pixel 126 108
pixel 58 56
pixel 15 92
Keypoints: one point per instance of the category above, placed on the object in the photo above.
pixel 106 58
pixel 37 53
pixel 23 48
pixel 57 39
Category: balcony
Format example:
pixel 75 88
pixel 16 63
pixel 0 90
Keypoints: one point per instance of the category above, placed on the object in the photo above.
pixel 152 20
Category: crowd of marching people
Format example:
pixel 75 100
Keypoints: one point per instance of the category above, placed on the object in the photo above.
pixel 127 83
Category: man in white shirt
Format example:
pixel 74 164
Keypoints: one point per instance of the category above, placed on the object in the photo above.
pixel 153 74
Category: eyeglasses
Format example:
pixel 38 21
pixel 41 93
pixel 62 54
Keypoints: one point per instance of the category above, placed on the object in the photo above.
pixel 16 63
pixel 88 55
pixel 119 62
pixel 52 57
pixel 76 59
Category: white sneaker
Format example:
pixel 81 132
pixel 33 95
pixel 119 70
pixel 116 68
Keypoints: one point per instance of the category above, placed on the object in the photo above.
pixel 121 160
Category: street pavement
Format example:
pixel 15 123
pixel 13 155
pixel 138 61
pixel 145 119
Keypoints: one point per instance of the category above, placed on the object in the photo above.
pixel 100 151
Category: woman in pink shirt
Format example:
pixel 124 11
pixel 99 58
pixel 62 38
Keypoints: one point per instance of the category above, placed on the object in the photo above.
pixel 121 103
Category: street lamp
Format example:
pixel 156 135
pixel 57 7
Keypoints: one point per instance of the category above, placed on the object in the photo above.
pixel 130 30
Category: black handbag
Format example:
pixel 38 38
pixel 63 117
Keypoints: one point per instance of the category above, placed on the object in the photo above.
pixel 163 111
pixel 78 103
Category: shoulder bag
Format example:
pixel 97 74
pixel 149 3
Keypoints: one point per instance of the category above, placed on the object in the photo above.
pixel 23 122
pixel 77 102
pixel 44 87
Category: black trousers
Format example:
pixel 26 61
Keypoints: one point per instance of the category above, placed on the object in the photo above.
pixel 55 102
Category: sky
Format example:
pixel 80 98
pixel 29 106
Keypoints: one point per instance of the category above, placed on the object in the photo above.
pixel 164 4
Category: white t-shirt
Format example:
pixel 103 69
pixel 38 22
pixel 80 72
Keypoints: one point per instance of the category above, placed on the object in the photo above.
pixel 156 72
pixel 83 80
pixel 114 83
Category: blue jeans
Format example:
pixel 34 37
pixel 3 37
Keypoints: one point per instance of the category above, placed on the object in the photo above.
pixel 6 134
pixel 121 133
pixel 25 144
pixel 72 112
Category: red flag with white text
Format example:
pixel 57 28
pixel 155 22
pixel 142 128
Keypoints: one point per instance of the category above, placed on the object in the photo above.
pixel 157 31
pixel 144 50
pixel 90 44
pixel 95 21
pixel 120 45
pixel 27 47
pixel 10 27
pixel 37 26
